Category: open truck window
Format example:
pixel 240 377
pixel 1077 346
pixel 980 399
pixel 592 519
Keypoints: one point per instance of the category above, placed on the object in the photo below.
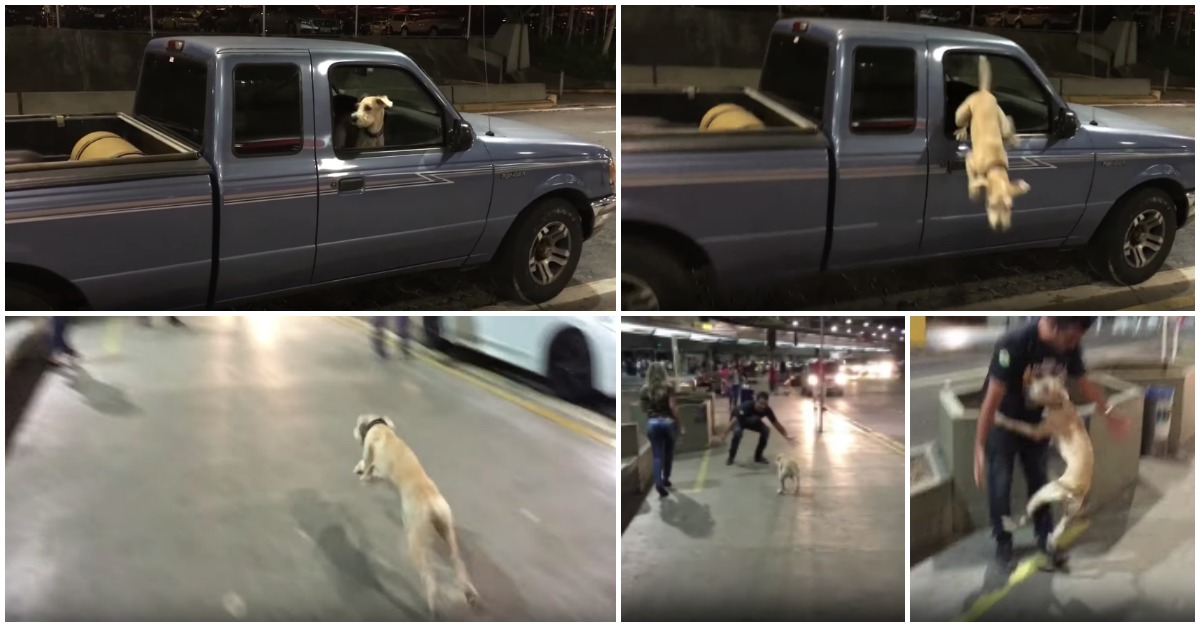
pixel 1019 93
pixel 173 93
pixel 795 72
pixel 415 119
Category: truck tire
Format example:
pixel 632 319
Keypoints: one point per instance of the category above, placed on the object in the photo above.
pixel 569 366
pixel 654 279
pixel 531 267
pixel 1134 240
pixel 25 297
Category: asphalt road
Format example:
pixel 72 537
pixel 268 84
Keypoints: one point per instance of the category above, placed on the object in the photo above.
pixel 929 371
pixel 592 289
pixel 206 474
pixel 991 279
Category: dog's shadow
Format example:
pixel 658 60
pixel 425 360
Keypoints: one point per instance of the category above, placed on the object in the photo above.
pixel 500 599
pixel 352 571
pixel 103 397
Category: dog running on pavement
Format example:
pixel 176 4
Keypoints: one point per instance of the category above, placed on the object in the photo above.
pixel 425 513
pixel 364 127
pixel 1060 422
pixel 987 162
pixel 787 468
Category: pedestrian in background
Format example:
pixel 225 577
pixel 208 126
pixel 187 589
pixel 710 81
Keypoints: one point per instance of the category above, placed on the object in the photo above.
pixel 662 424
pixel 62 354
pixel 379 338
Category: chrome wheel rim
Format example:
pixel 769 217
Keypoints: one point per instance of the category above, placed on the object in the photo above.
pixel 1144 238
pixel 637 295
pixel 550 253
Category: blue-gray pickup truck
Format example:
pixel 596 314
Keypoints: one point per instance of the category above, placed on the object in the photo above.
pixel 855 164
pixel 224 185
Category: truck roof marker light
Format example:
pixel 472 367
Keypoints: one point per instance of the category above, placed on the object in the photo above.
pixel 799 27
pixel 175 45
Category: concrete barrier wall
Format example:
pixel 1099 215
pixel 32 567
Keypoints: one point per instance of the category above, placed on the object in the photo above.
pixel 66 59
pixel 111 101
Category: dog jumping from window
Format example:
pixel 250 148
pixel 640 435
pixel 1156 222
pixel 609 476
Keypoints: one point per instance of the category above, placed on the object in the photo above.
pixel 1061 422
pixel 990 131
pixel 787 468
pixel 364 127
pixel 425 513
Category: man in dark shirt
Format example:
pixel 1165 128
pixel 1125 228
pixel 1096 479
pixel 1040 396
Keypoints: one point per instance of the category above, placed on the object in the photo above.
pixel 749 417
pixel 1048 347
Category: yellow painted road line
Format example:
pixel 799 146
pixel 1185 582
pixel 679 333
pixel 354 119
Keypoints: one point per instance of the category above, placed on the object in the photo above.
pixel 1022 573
pixel 892 445
pixel 703 472
pixel 112 336
pixel 1170 304
pixel 529 406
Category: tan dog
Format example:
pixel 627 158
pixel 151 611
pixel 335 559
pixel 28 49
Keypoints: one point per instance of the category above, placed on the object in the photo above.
pixel 1061 422
pixel 987 162
pixel 364 127
pixel 425 513
pixel 730 117
pixel 788 468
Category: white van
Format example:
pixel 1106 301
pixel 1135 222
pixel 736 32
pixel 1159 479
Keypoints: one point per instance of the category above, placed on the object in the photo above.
pixel 576 354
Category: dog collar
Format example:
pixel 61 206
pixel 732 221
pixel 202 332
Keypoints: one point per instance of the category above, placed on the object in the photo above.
pixel 367 427
pixel 373 135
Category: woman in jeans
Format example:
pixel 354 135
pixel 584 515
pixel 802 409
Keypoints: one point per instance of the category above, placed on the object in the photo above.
pixel 662 423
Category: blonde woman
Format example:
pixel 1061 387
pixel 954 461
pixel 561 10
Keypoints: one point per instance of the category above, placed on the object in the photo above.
pixel 662 423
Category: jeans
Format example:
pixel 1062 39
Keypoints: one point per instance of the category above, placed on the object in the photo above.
pixel 661 433
pixel 763 434
pixel 378 340
pixel 735 395
pixel 1001 448
pixel 58 336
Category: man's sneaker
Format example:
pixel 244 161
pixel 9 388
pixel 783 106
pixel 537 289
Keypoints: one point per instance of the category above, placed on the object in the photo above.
pixel 729 462
pixel 1053 561
pixel 763 460
pixel 667 484
pixel 1004 553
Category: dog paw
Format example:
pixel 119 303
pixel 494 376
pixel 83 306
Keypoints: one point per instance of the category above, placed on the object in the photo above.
pixel 472 595
pixel 781 490
pixel 961 134
pixel 358 468
pixel 1022 185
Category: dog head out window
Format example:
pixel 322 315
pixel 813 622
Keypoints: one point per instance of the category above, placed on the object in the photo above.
pixel 381 108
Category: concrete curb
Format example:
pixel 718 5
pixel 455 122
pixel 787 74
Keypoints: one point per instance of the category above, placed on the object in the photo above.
pixel 590 91
pixel 1166 285
pixel 498 107
pixel 1113 100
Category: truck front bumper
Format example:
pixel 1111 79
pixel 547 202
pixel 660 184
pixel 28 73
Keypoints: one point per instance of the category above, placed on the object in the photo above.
pixel 603 209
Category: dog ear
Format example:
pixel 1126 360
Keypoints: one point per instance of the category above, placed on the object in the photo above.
pixel 388 422
pixel 385 100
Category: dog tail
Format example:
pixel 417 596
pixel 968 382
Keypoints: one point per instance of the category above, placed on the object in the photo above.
pixel 985 74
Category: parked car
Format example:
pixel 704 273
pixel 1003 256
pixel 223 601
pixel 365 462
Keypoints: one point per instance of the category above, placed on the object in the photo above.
pixel 224 184
pixel 295 20
pixel 179 21
pixel 428 21
pixel 576 355
pixel 861 167
pixel 939 16
pixel 1044 18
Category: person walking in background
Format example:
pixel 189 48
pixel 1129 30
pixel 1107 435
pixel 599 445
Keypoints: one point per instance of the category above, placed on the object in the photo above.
pixel 735 384
pixel 379 338
pixel 62 354
pixel 173 320
pixel 662 424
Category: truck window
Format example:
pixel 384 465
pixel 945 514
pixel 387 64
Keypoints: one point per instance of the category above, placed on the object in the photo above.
pixel 173 92
pixel 795 72
pixel 268 112
pixel 415 119
pixel 1019 93
pixel 884 96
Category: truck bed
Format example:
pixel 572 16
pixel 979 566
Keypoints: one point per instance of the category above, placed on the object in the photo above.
pixel 664 120
pixel 37 151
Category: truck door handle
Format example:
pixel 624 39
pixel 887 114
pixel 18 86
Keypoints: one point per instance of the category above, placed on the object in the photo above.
pixel 352 184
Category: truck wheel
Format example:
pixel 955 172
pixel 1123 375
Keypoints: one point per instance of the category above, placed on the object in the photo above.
pixel 541 252
pixel 24 297
pixel 1135 239
pixel 569 366
pixel 654 279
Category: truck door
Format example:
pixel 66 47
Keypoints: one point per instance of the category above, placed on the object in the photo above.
pixel 404 199
pixel 880 150
pixel 266 168
pixel 1058 169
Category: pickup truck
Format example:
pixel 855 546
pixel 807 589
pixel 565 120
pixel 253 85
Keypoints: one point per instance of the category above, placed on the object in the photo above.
pixel 224 185
pixel 856 164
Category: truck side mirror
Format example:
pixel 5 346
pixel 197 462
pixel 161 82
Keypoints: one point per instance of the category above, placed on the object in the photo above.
pixel 1066 124
pixel 461 136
